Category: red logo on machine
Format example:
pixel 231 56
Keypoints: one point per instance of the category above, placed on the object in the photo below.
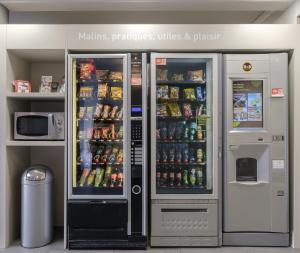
pixel 277 92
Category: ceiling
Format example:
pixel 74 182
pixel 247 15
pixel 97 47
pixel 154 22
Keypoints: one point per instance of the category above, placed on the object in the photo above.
pixel 146 5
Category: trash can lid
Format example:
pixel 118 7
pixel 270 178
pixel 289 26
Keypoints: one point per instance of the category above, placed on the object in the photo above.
pixel 34 174
pixel 37 174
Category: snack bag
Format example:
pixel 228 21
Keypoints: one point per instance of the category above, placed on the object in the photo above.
pixel 102 90
pixel 102 74
pixel 82 111
pixel 200 93
pixel 86 92
pixel 116 75
pixel 112 131
pixel 106 111
pixel 174 110
pixel 120 133
pixel 97 133
pixel 161 110
pixel 162 91
pixel 89 112
pixel 162 74
pixel 113 112
pixel 89 133
pixel 174 92
pixel 189 93
pixel 120 114
pixel 98 111
pixel 22 86
pixel 116 92
pixel 195 75
pixel 187 110
pixel 86 70
pixel 177 77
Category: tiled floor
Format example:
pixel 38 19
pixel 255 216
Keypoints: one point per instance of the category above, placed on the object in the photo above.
pixel 57 247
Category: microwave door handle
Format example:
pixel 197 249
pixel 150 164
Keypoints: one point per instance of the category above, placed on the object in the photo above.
pixel 50 124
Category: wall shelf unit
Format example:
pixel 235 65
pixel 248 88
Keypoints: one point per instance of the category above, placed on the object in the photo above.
pixel 37 96
pixel 35 143
pixel 19 154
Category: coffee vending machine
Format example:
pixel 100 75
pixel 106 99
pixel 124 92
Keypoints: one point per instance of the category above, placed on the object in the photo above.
pixel 256 183
pixel 107 134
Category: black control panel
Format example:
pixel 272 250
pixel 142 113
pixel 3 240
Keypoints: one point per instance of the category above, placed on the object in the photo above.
pixel 136 145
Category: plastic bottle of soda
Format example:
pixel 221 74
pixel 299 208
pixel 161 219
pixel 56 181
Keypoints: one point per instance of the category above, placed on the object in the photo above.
pixel 164 177
pixel 172 176
pixel 178 177
pixel 158 175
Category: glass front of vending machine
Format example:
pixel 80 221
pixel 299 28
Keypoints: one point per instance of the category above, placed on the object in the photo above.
pixel 185 149
pixel 99 176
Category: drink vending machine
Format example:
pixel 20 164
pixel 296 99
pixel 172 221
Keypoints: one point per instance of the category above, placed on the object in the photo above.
pixel 107 188
pixel 256 196
pixel 185 149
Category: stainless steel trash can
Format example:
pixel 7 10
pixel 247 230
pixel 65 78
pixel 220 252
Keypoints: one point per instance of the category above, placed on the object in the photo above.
pixel 36 206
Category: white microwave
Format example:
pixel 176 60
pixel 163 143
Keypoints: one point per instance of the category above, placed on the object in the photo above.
pixel 39 126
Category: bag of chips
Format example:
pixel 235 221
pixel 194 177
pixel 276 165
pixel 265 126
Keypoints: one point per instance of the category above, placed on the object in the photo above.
pixel 174 92
pixel 116 92
pixel 174 110
pixel 102 74
pixel 86 92
pixel 102 90
pixel 98 110
pixel 178 77
pixel 116 75
pixel 86 70
pixel 161 110
pixel 162 91
pixel 187 110
pixel 200 93
pixel 82 111
pixel 195 75
pixel 162 74
pixel 189 93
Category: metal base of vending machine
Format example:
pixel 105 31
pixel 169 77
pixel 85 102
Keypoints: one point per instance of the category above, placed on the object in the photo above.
pixel 101 225
pixel 184 223
pixel 256 239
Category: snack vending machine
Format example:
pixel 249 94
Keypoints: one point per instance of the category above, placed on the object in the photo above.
pixel 256 198
pixel 185 149
pixel 107 201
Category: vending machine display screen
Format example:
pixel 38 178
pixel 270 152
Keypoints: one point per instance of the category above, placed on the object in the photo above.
pixel 247 101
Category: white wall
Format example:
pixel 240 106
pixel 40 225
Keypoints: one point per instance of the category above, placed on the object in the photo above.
pixel 290 16
pixel 131 17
